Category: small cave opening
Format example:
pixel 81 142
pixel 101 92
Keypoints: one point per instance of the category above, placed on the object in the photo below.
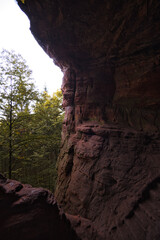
pixel 31 111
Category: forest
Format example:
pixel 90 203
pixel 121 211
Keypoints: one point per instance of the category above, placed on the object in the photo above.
pixel 30 125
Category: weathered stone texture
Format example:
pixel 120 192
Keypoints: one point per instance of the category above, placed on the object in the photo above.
pixel 30 214
pixel 114 176
pixel 109 168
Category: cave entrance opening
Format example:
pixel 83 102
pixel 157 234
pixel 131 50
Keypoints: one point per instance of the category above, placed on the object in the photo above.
pixel 15 35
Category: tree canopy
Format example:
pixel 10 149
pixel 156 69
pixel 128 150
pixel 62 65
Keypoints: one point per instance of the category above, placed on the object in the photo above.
pixel 30 125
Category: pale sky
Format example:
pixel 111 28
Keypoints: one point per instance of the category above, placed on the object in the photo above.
pixel 15 34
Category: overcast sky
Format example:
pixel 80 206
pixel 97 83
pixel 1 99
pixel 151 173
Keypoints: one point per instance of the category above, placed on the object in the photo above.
pixel 15 34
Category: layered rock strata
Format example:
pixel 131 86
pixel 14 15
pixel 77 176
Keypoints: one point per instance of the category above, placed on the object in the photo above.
pixel 109 51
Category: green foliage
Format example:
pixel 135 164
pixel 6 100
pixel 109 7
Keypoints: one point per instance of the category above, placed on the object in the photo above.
pixel 23 1
pixel 30 125
pixel 46 135
pixel 16 92
pixel 16 84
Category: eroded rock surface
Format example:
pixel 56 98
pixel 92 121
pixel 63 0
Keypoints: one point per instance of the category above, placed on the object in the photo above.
pixel 30 214
pixel 109 165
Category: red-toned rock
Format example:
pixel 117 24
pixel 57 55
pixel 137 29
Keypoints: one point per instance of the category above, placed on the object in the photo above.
pixel 120 181
pixel 30 214
pixel 109 164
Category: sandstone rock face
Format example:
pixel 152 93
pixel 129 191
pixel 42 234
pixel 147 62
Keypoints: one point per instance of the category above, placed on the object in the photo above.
pixel 30 214
pixel 113 180
pixel 109 165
